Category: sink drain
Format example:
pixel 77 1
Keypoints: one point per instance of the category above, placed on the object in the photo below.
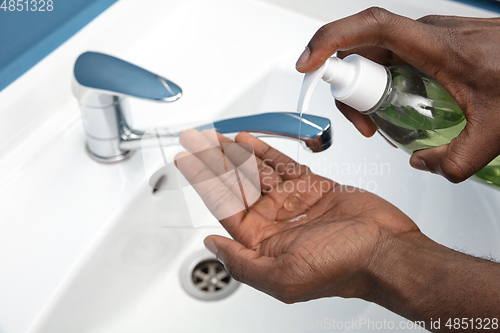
pixel 210 276
pixel 204 277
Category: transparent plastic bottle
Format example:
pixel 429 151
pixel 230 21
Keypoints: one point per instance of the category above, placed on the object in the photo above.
pixel 410 108
pixel 416 113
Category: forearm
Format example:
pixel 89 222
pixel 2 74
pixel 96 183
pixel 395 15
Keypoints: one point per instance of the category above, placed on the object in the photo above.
pixel 424 281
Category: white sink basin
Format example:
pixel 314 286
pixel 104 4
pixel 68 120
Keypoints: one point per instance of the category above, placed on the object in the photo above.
pixel 87 247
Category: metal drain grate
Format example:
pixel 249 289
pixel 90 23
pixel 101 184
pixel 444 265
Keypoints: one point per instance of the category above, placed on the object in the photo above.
pixel 210 276
pixel 204 277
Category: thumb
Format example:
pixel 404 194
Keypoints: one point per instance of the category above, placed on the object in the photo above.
pixel 465 155
pixel 243 264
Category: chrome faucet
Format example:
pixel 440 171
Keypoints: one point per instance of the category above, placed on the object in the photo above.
pixel 102 84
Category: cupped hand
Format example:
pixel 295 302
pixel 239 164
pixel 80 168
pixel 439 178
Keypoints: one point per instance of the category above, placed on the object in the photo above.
pixel 460 53
pixel 303 236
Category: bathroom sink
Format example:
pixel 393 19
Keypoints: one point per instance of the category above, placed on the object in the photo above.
pixel 89 247
pixel 132 278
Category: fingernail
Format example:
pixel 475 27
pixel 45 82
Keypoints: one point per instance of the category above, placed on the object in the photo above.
pixel 304 57
pixel 210 245
pixel 418 164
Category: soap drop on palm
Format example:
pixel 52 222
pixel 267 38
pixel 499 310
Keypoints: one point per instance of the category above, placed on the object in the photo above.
pixel 292 202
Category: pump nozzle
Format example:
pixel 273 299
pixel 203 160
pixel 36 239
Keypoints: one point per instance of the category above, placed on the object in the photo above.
pixel 355 81
pixel 309 84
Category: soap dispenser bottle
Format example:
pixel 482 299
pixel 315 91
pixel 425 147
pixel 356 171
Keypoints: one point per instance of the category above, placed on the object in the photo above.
pixel 410 108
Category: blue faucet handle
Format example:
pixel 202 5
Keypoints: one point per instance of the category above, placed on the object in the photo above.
pixel 113 75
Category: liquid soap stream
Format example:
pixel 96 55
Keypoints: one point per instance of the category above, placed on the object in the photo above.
pixel 309 84
pixel 301 111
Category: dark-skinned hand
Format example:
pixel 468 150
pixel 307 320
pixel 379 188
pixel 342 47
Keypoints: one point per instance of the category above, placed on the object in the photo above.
pixel 460 53
pixel 298 236
pixel 305 237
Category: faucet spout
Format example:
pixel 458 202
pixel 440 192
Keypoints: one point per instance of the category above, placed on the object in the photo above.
pixel 102 85
pixel 315 132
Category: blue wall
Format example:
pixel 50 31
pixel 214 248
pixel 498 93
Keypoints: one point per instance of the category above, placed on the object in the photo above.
pixel 493 5
pixel 26 37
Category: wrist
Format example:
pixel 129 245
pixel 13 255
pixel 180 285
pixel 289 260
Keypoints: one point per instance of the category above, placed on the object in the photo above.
pixel 407 273
pixel 422 280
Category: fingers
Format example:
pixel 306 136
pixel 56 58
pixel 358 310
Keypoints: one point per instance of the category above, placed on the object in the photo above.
pixel 371 27
pixel 220 195
pixel 284 166
pixel 461 158
pixel 244 171
pixel 243 264
pixel 238 159
pixel 443 20
pixel 209 161
pixel 204 149
pixel 228 207
pixel 374 53
pixel 267 176
pixel 363 123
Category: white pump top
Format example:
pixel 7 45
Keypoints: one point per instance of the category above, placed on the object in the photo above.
pixel 355 81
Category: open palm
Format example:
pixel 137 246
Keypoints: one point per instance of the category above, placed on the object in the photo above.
pixel 305 236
